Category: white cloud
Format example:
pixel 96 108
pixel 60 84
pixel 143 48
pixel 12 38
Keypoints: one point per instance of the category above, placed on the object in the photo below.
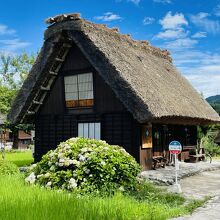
pixel 203 21
pixel 200 34
pixel 108 16
pixel 148 20
pixel 163 1
pixel 4 30
pixel 217 10
pixel 201 78
pixel 202 69
pixel 195 57
pixel 136 2
pixel 180 44
pixel 173 21
pixel 202 82
pixel 171 34
pixel 13 45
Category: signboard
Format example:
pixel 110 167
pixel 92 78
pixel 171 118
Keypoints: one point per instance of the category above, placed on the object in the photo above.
pixel 175 147
pixel 147 136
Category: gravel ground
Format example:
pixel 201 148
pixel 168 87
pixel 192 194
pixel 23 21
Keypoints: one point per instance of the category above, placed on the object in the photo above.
pixel 199 186
pixel 166 176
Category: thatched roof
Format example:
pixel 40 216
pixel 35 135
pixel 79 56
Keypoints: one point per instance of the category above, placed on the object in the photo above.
pixel 142 76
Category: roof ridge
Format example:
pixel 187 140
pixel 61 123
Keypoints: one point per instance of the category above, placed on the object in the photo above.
pixel 143 44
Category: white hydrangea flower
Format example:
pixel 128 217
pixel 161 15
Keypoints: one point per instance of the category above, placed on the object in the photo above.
pixel 72 183
pixel 61 160
pixel 50 163
pixel 74 139
pixel 87 171
pixel 84 149
pixel 49 184
pixel 66 163
pixel 67 146
pixel 60 164
pixel 39 176
pixel 81 157
pixel 52 168
pixel 32 166
pixel 31 178
pixel 60 155
pixel 103 163
pixel 51 155
pixel 47 175
pixel 121 188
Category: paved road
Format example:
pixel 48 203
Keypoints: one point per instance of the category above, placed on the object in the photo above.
pixel 199 186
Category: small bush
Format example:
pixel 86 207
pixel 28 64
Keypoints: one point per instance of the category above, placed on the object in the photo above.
pixel 210 147
pixel 8 168
pixel 86 165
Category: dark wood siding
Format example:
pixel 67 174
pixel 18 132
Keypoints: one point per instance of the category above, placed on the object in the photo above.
pixel 116 128
pixel 56 123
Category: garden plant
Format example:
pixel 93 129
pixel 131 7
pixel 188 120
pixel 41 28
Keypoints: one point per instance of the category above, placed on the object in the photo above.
pixel 86 165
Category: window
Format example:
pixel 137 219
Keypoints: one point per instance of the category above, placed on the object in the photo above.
pixel 89 130
pixel 79 90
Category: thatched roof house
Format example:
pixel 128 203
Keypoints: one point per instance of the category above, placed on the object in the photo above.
pixel 142 76
pixel 90 80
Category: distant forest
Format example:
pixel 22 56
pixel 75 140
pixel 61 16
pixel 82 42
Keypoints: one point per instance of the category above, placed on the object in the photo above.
pixel 214 101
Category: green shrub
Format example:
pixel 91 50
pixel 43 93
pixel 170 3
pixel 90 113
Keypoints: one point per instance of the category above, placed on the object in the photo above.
pixel 8 168
pixel 210 147
pixel 86 165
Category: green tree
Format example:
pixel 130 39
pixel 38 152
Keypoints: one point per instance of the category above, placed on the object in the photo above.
pixel 6 97
pixel 13 71
pixel 22 65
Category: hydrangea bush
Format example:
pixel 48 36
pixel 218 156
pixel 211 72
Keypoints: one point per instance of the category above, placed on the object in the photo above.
pixel 86 165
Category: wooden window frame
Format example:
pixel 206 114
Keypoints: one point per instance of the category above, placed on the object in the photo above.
pixel 90 122
pixel 80 103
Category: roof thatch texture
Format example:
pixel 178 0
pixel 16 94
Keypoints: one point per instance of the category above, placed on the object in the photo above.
pixel 142 76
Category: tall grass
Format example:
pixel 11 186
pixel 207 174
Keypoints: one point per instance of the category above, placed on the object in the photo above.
pixel 19 157
pixel 21 201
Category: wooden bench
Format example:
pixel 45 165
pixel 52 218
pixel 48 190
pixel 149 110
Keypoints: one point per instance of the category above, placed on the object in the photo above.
pixel 200 156
pixel 159 161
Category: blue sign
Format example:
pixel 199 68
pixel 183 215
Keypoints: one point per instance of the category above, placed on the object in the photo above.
pixel 175 147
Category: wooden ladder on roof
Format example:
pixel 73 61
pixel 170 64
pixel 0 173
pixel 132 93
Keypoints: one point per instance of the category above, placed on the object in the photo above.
pixel 49 80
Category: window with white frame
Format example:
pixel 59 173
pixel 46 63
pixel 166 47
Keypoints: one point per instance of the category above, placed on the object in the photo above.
pixel 79 90
pixel 90 130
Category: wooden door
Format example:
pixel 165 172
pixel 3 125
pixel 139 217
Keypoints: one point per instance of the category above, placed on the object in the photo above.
pixel 146 147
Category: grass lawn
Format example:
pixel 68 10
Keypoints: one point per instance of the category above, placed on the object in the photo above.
pixel 19 157
pixel 21 201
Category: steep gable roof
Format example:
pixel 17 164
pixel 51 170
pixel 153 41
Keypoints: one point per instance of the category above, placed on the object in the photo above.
pixel 142 76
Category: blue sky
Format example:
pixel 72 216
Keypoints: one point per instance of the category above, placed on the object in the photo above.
pixel 189 29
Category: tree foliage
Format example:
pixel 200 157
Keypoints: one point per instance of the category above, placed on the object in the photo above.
pixel 13 71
